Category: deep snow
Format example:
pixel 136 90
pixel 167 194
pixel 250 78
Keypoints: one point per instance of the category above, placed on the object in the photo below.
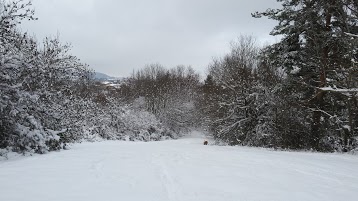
pixel 178 170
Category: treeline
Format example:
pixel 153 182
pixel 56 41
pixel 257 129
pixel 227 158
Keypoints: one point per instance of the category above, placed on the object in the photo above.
pixel 169 94
pixel 300 93
pixel 48 98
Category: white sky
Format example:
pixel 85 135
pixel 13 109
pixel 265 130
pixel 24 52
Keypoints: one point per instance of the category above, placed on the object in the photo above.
pixel 117 36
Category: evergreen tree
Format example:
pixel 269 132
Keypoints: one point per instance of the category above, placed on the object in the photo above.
pixel 317 52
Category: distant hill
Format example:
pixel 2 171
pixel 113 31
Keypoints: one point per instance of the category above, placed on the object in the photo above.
pixel 104 77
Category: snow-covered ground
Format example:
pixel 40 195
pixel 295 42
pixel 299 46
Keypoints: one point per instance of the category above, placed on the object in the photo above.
pixel 178 170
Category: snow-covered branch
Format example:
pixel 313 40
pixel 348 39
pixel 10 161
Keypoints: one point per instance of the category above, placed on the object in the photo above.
pixel 350 34
pixel 339 90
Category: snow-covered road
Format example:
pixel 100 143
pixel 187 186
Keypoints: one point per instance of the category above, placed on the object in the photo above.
pixel 178 170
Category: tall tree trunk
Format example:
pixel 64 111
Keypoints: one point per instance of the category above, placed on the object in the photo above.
pixel 317 134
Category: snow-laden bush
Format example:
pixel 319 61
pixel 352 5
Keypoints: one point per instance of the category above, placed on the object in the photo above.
pixel 124 123
pixel 144 126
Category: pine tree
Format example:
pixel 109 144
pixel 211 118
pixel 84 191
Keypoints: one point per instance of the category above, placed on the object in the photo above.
pixel 316 51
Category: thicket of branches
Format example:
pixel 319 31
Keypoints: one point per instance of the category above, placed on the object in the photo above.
pixel 169 94
pixel 300 93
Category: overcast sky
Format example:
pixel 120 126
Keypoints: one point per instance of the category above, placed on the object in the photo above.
pixel 117 36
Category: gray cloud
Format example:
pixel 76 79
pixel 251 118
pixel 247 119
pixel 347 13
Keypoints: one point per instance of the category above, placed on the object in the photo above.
pixel 117 36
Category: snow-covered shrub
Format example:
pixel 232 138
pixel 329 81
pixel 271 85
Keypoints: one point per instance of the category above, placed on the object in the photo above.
pixel 142 125
pixel 34 85
pixel 118 122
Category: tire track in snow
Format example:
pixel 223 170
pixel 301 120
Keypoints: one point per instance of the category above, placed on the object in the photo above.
pixel 168 182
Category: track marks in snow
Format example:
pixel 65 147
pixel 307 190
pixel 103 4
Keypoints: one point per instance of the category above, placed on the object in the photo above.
pixel 178 170
pixel 169 184
pixel 97 168
pixel 166 177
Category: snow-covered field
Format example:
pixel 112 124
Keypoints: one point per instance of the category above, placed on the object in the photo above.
pixel 178 170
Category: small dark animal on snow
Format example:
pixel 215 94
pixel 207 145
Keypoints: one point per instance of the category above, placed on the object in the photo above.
pixel 205 142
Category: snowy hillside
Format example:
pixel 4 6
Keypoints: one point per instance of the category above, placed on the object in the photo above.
pixel 180 170
pixel 104 77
